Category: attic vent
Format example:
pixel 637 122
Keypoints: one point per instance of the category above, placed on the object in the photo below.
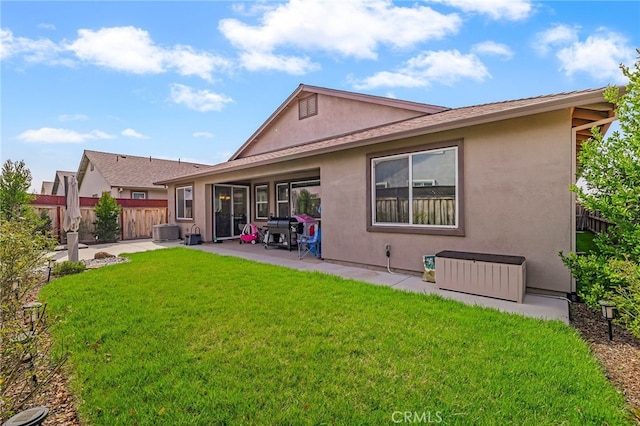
pixel 308 106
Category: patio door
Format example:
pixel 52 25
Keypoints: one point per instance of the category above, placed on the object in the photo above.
pixel 230 210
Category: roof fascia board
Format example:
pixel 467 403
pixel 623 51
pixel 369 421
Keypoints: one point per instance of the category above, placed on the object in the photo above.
pixel 395 103
pixel 542 107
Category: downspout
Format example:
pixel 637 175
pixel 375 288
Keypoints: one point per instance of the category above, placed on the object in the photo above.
pixel 574 170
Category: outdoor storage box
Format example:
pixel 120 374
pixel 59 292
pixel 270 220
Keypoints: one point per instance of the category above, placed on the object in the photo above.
pixel 492 275
pixel 165 232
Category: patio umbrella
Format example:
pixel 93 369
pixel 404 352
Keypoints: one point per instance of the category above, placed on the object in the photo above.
pixel 72 216
pixel 71 220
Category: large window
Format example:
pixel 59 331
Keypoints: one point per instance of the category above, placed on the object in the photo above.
pixel 184 202
pixel 262 201
pixel 305 198
pixel 417 190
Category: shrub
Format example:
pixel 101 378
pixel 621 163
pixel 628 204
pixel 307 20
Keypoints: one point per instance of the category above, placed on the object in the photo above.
pixel 106 225
pixel 611 171
pixel 627 295
pixel 68 268
pixel 23 249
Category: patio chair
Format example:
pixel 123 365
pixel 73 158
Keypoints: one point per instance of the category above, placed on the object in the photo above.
pixel 308 245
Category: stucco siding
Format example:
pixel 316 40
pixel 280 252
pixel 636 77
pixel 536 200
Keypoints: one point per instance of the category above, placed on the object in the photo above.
pixel 516 200
pixel 516 177
pixel 94 184
pixel 335 116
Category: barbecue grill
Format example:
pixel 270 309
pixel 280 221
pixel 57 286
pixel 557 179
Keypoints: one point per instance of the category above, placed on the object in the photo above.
pixel 282 232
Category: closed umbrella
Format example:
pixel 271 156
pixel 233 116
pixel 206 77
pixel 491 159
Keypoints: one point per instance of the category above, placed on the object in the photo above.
pixel 72 216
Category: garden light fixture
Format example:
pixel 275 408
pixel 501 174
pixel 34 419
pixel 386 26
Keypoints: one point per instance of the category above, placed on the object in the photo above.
pixel 608 313
pixel 50 264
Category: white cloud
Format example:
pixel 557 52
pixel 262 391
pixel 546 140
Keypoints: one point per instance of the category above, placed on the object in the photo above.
pixel 599 56
pixel 355 29
pixel 131 49
pixel 46 26
pixel 444 67
pixel 493 48
pixel 53 135
pixel 254 61
pixel 206 135
pixel 199 100
pixel 514 10
pixel 556 36
pixel 72 117
pixel 41 50
pixel 130 133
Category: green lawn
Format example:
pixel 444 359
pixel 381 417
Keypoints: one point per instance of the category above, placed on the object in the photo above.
pixel 584 242
pixel 184 337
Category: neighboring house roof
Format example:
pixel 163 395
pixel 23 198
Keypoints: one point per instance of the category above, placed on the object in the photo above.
pixel 133 172
pixel 304 90
pixel 46 188
pixel 58 182
pixel 589 102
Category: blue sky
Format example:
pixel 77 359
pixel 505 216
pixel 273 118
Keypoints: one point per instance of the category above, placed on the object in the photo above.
pixel 193 80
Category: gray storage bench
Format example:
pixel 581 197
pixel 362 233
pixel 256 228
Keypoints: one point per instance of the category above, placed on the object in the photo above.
pixel 483 274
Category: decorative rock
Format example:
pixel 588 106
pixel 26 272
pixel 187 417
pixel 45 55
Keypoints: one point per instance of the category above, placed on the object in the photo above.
pixel 102 255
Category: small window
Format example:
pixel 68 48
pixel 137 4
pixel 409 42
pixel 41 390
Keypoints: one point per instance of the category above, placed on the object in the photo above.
pixel 282 199
pixel 308 106
pixel 136 195
pixel 184 202
pixel 262 201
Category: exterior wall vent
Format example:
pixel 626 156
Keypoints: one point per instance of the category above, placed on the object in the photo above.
pixel 308 106
pixel 491 275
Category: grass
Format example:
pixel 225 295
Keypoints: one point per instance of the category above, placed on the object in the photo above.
pixel 183 337
pixel 584 242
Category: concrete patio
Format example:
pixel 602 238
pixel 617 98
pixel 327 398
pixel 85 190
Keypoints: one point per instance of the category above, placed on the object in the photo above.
pixel 536 306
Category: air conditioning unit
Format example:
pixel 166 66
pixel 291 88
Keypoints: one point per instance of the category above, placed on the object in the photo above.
pixel 165 232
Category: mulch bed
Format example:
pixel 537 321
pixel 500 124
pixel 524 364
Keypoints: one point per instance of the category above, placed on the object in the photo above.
pixel 620 359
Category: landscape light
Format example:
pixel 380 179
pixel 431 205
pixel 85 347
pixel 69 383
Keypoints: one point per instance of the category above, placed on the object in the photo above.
pixel 608 313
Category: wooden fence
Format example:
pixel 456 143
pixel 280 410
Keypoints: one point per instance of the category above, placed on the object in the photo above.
pixel 591 221
pixel 426 211
pixel 136 219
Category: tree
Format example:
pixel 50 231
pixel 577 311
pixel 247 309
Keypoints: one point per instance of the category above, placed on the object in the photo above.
pixel 106 225
pixel 611 169
pixel 23 247
pixel 14 184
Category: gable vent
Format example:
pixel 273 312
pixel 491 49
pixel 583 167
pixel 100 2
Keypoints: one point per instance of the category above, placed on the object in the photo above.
pixel 308 106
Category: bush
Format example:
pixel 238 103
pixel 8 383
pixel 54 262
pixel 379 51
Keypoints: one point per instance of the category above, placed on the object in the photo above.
pixel 627 296
pixel 68 268
pixel 24 245
pixel 106 225
pixel 611 172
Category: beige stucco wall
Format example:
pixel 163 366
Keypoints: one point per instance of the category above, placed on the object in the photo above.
pixel 516 199
pixel 93 184
pixel 516 176
pixel 335 116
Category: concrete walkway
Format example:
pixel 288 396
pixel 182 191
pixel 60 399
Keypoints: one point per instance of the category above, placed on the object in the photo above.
pixel 536 306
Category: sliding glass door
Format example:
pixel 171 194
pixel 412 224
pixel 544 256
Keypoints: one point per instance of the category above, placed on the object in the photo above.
pixel 230 210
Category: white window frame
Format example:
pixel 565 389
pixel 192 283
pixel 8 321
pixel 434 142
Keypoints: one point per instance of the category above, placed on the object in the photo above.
pixel 185 198
pixel 259 203
pixel 134 193
pixel 287 201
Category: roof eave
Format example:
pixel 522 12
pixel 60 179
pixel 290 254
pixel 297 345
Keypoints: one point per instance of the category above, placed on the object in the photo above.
pixel 565 102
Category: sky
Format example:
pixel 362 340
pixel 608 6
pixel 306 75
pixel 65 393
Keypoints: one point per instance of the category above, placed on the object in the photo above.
pixel 193 80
